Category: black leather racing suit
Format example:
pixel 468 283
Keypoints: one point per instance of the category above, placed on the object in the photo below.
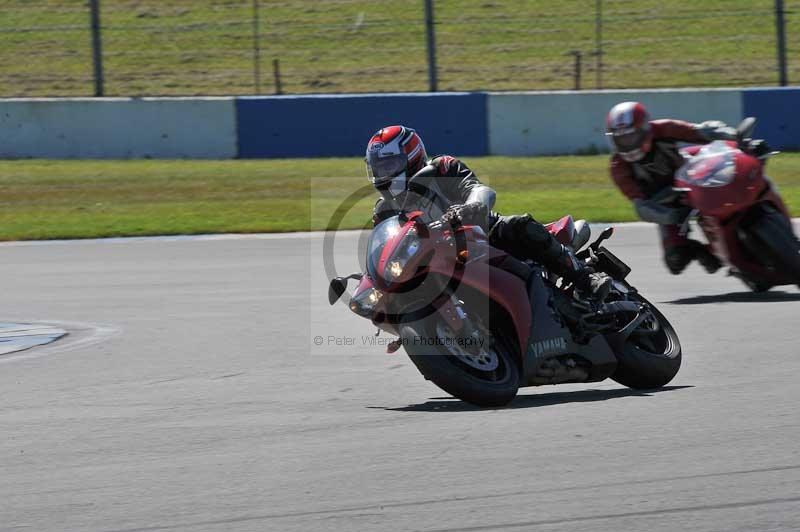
pixel 447 181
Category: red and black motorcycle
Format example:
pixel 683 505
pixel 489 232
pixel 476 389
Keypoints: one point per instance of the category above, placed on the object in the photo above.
pixel 480 324
pixel 740 212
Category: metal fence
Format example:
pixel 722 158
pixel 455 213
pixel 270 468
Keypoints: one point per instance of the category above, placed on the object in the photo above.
pixel 223 47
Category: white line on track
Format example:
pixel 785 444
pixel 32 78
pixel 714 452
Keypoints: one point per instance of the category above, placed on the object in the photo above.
pixel 226 236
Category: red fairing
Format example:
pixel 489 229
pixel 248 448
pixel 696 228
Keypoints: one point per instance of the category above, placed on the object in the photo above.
pixel 472 270
pixel 563 230
pixel 724 239
pixel 724 185
pixel 506 289
pixel 365 284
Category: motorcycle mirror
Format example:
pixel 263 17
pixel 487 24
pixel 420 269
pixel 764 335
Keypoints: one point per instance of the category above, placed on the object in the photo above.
pixel 336 289
pixel 745 128
pixel 606 234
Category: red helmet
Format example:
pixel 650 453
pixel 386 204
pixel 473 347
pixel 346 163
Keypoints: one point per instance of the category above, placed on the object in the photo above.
pixel 628 130
pixel 394 152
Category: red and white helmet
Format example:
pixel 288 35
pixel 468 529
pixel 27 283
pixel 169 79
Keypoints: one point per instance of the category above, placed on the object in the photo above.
pixel 394 152
pixel 628 130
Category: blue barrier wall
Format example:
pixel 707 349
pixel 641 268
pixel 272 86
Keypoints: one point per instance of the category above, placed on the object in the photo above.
pixel 340 125
pixel 778 114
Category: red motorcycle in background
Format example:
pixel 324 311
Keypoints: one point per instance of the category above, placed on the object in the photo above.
pixel 740 212
pixel 479 323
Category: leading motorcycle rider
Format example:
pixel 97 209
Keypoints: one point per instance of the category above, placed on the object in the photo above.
pixel 397 153
pixel 643 164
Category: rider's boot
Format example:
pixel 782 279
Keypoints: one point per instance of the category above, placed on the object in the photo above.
pixel 525 238
pixel 706 259
pixel 678 257
pixel 562 261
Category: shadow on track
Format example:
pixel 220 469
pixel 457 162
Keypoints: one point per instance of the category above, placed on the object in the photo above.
pixel 450 404
pixel 737 297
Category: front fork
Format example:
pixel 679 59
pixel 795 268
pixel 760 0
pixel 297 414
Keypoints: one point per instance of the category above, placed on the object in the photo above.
pixel 451 311
pixel 459 321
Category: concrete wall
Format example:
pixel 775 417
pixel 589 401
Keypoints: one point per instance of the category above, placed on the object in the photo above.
pixel 337 126
pixel 547 123
pixel 111 128
pixel 466 124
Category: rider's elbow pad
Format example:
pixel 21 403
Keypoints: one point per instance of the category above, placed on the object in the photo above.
pixel 482 194
pixel 716 130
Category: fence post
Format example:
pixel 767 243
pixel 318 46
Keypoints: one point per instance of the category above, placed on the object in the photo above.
pixel 256 47
pixel 780 26
pixel 577 74
pixel 97 49
pixel 598 36
pixel 431 41
pixel 276 70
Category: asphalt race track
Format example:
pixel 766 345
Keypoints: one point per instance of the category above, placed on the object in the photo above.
pixel 190 395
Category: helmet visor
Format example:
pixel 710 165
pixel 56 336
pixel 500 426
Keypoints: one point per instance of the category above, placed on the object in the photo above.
pixel 381 170
pixel 628 140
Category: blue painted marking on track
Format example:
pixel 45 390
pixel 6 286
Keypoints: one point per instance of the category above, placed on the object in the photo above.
pixel 20 336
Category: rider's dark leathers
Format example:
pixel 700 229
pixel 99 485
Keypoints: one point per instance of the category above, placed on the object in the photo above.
pixel 642 182
pixel 448 181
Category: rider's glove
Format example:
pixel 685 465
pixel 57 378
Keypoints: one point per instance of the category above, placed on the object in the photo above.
pixel 470 214
pixel 595 284
pixel 757 148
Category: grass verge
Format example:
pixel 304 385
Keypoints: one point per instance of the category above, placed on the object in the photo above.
pixel 85 199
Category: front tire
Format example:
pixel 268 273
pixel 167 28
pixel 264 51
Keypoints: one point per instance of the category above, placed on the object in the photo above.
pixel 773 237
pixel 651 355
pixel 495 383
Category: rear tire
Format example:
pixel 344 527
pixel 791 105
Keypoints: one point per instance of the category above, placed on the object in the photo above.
pixel 774 238
pixel 649 360
pixel 451 374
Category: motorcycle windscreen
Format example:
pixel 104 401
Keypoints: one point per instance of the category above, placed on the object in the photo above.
pixel 714 165
pixel 381 234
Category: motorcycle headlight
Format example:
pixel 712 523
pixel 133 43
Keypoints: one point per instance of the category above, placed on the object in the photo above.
pixel 364 302
pixel 409 247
